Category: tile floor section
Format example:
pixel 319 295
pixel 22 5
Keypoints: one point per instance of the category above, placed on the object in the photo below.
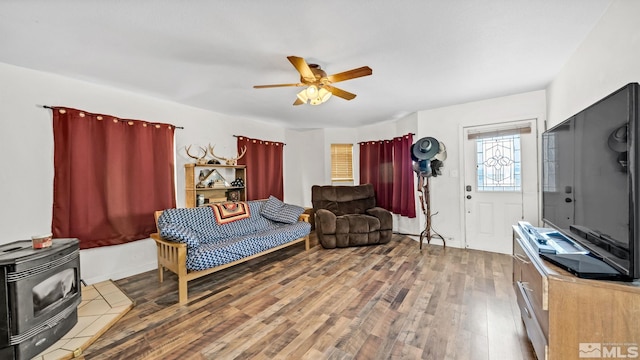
pixel 102 305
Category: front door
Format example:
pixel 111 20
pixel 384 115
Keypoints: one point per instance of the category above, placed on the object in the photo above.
pixel 500 183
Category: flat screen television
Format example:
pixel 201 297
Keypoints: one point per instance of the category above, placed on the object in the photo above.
pixel 590 189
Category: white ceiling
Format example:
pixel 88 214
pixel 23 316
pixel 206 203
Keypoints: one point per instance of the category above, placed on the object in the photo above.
pixel 208 54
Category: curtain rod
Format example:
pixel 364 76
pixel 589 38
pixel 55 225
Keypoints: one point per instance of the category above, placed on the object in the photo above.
pixel 119 119
pixel 260 140
pixel 397 137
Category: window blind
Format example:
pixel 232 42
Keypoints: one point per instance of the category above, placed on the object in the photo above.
pixel 341 162
pixel 512 130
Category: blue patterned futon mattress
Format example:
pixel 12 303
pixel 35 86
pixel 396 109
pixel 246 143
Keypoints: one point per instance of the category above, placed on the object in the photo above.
pixel 210 244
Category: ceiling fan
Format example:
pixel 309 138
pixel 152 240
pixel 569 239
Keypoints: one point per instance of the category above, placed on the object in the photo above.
pixel 318 83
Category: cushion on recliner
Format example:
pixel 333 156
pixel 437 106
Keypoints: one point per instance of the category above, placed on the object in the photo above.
pixel 325 221
pixel 342 200
pixel 356 224
pixel 346 240
pixel 385 217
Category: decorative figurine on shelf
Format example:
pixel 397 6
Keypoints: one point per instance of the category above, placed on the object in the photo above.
pixel 233 195
pixel 200 160
pixel 217 181
pixel 239 182
pixel 202 177
pixel 228 161
pixel 218 184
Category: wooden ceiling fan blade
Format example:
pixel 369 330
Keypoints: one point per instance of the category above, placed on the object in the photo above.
pixel 298 102
pixel 275 85
pixel 303 68
pixel 350 74
pixel 340 93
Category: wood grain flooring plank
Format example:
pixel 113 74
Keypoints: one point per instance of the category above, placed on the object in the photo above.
pixel 401 350
pixel 313 354
pixel 241 345
pixel 415 292
pixel 369 349
pixel 263 339
pixel 391 301
pixel 306 328
pixel 480 346
pixel 502 335
pixel 460 347
pixel 327 340
pixel 474 316
pixel 411 331
pixel 273 350
pixel 388 330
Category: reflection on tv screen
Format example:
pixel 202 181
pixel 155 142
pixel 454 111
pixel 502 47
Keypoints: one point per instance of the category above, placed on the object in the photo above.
pixel 53 289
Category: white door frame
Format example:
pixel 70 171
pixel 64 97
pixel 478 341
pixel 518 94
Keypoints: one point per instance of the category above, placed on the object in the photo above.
pixel 531 213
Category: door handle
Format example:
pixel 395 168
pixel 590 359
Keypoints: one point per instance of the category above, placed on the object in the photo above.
pixel 468 196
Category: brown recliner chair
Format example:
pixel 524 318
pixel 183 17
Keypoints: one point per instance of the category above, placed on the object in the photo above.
pixel 348 216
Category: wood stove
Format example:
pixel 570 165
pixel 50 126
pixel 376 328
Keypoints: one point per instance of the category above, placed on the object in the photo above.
pixel 39 295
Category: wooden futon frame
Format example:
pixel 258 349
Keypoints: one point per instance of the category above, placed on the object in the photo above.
pixel 173 257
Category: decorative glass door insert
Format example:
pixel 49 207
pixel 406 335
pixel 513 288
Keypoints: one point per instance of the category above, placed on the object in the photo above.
pixel 498 163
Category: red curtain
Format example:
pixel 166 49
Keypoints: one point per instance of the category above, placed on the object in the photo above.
pixel 110 176
pixel 387 165
pixel 376 167
pixel 369 164
pixel 264 161
pixel 404 202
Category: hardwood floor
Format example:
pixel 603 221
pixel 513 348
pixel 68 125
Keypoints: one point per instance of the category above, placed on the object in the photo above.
pixel 388 301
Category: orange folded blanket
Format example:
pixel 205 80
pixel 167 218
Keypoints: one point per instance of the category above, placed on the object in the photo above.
pixel 230 211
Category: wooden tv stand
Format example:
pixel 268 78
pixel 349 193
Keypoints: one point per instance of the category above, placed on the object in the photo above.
pixel 566 316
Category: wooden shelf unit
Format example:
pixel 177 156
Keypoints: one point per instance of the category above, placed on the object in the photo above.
pixel 564 314
pixel 228 172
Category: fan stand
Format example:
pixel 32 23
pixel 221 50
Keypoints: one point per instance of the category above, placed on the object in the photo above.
pixel 425 202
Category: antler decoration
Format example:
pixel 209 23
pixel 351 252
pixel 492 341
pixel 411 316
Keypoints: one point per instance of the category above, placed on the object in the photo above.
pixel 200 160
pixel 228 161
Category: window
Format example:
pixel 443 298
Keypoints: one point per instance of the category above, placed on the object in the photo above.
pixel 341 162
pixel 550 163
pixel 498 163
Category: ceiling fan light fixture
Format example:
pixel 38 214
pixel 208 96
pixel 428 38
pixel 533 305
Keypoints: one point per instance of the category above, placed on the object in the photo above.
pixel 313 95
pixel 315 79
pixel 302 95
pixel 312 92
pixel 323 96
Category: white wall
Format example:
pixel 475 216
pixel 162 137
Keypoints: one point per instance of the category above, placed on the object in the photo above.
pixel 608 59
pixel 446 124
pixel 305 165
pixel 26 143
